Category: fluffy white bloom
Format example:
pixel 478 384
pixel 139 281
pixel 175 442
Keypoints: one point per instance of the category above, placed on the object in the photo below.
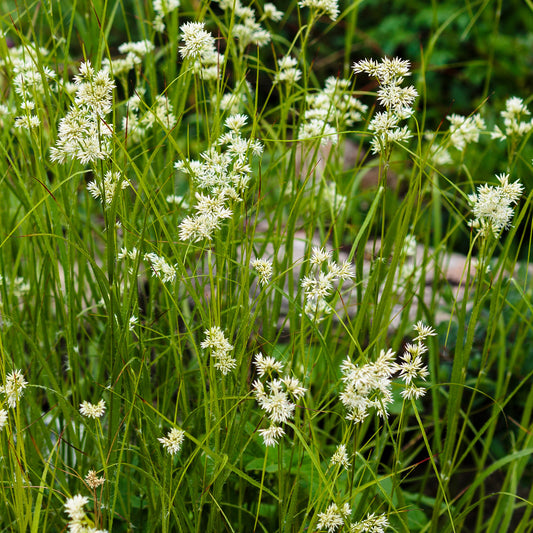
pixel 92 479
pixel 396 99
pixel 266 364
pixel 423 331
pixel 317 129
pixel 275 398
pixel 163 8
pixel 14 387
pixel 27 122
pixel 79 522
pixel 367 387
pixel 272 12
pixel 224 172
pixel 3 419
pixel 340 457
pixel 387 71
pixel 138 123
pixel 111 182
pixel 333 517
pixel 198 42
pixel 371 524
pixel 411 364
pixel 293 387
pixel 138 49
pixel 91 410
pixel 132 322
pixel 513 118
pixel 83 134
pixel 30 75
pixel 320 284
pixel 74 507
pixel 272 434
pixel 333 107
pixel 264 269
pixel 328 7
pixel 160 268
pixel 216 341
pixel 173 441
pixel 465 130
pixel 287 73
pixel 492 206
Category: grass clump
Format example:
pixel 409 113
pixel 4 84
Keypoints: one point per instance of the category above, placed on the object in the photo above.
pixel 242 292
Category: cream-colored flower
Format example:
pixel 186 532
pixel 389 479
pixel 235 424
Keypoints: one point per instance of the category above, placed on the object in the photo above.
pixel 173 441
pixel 91 410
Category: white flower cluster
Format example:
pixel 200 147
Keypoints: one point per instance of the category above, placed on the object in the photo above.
pixel 235 101
pixel 79 521
pixel 319 286
pixel 14 388
pixel 263 268
pixel 173 441
pixel 216 341
pixel 326 7
pixel 492 206
pixel 370 386
pixel 331 108
pixel 397 100
pixel 224 173
pixel 340 457
pixel 160 268
pixel 513 115
pixel 3 418
pixel 270 11
pixel 30 75
pixel 93 480
pixel 275 398
pixel 138 123
pixel 248 30
pixel 91 410
pixel 129 256
pixel 334 518
pixel 84 132
pixel 134 54
pixel 371 524
pixel 465 130
pixel 163 8
pixel 287 71
pixel 107 189
pixel 199 47
pixel 412 366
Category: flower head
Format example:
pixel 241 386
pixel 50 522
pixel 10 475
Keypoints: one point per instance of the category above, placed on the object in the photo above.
pixel 14 387
pixel 198 42
pixel 216 341
pixel 264 269
pixel 492 206
pixel 333 517
pixel 91 410
pixel 340 457
pixel 396 100
pixel 93 480
pixel 74 507
pixel 328 7
pixel 173 441
pixel 3 419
